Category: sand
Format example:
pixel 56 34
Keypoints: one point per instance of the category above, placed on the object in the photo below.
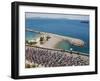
pixel 55 39
pixel 51 42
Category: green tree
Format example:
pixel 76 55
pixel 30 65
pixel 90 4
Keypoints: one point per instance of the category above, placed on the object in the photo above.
pixel 41 38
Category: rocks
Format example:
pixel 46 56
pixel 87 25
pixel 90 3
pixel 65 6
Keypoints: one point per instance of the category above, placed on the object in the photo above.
pixel 77 42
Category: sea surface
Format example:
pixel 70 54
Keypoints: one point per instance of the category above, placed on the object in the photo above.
pixel 66 27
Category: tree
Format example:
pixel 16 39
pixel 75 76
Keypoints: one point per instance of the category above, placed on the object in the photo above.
pixel 48 37
pixel 26 42
pixel 41 38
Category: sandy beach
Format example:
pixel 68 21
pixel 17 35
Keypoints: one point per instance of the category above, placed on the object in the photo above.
pixel 51 42
pixel 55 39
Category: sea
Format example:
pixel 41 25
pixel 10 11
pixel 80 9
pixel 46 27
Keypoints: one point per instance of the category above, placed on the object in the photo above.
pixel 66 27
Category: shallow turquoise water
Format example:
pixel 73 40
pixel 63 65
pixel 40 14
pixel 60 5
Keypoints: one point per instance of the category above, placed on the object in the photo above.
pixel 63 45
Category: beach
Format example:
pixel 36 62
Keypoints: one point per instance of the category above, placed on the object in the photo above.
pixel 55 39
pixel 51 43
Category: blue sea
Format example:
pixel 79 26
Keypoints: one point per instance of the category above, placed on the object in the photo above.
pixel 66 27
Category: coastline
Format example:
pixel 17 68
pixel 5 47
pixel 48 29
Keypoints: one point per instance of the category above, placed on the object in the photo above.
pixel 52 42
pixel 55 39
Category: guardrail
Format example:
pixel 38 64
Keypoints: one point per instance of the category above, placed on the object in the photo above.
pixel 62 50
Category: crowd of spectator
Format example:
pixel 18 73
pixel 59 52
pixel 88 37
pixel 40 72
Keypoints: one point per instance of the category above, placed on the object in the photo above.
pixel 53 58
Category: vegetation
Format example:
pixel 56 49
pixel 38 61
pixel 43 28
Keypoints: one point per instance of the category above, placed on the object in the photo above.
pixel 26 41
pixel 31 66
pixel 34 65
pixel 30 43
pixel 27 66
pixel 48 37
pixel 41 40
